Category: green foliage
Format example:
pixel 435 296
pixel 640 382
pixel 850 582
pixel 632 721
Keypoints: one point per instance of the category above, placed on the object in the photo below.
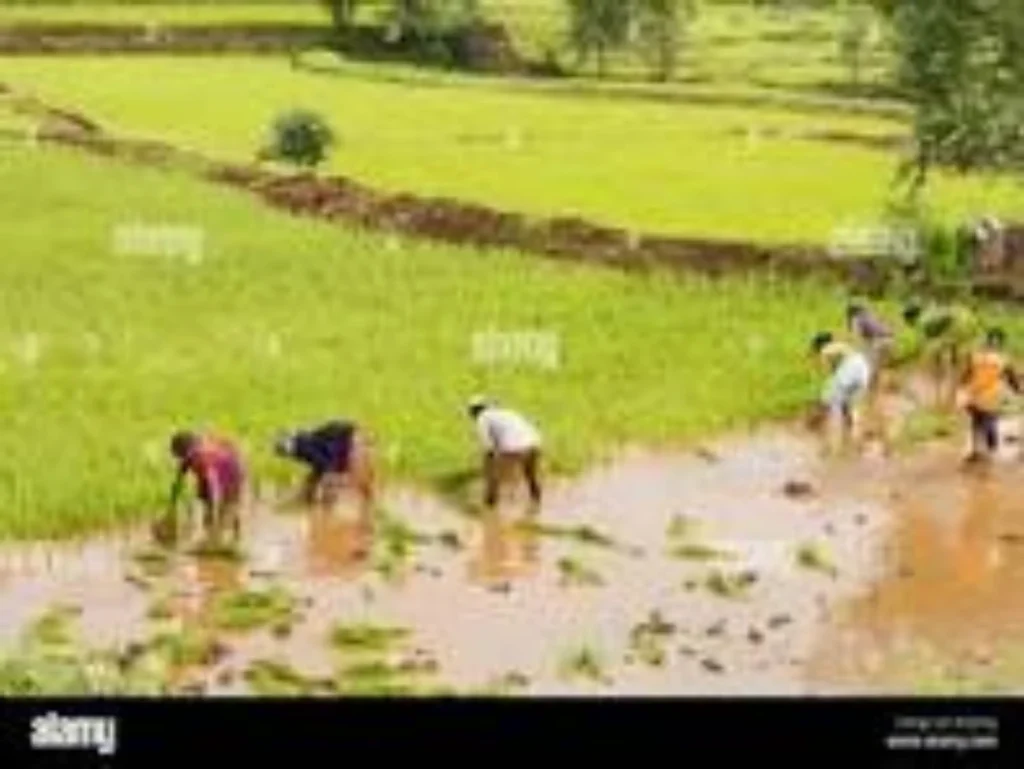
pixel 659 30
pixel 855 40
pixel 301 137
pixel 429 20
pixel 961 63
pixel 50 661
pixel 342 11
pixel 597 27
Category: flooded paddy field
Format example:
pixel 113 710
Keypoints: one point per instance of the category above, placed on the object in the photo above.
pixel 749 566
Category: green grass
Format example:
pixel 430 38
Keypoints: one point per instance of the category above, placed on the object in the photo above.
pixel 717 171
pixel 285 321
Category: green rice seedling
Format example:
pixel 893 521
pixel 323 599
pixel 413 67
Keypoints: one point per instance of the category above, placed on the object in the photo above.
pixel 247 610
pixel 816 556
pixel 188 647
pixel 733 585
pixel 274 678
pixel 584 663
pixel 574 573
pixel 367 638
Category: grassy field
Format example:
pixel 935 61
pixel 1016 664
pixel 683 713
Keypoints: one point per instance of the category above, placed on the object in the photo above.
pixel 282 321
pixel 269 321
pixel 717 171
pixel 723 43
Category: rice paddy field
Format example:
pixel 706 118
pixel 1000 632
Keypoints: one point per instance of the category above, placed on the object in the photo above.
pixel 721 171
pixel 267 321
pixel 716 550
pixel 273 322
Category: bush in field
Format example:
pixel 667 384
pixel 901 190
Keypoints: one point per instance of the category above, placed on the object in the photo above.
pixel 300 137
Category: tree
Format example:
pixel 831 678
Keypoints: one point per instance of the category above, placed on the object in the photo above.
pixel 342 11
pixel 855 39
pixel 659 25
pixel 961 64
pixel 597 27
pixel 426 19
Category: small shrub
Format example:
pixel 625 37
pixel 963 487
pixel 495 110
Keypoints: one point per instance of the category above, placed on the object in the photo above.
pixel 300 137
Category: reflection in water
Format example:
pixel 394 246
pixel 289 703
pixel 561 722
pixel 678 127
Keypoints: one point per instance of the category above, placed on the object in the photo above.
pixel 505 549
pixel 953 584
pixel 337 545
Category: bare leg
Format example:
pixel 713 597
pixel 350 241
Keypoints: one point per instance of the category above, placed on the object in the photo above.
pixel 491 480
pixel 531 468
pixel 364 479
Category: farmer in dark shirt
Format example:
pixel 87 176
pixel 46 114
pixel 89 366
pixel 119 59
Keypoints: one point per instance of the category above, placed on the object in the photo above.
pixel 336 449
pixel 874 334
pixel 218 470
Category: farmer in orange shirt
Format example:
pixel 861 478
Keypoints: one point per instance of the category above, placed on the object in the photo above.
pixel 987 373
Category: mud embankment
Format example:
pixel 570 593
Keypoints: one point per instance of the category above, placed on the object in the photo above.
pixel 337 198
pixel 114 38
pixel 451 221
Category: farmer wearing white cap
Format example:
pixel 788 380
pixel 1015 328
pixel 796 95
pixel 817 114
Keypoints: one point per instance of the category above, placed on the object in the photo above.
pixel 850 375
pixel 510 444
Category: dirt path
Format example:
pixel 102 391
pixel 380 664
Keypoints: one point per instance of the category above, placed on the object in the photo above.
pixel 749 567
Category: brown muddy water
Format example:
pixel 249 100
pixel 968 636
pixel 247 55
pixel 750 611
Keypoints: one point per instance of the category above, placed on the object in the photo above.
pixel 752 566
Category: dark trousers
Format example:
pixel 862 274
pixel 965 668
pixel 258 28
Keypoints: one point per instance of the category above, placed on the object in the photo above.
pixel 500 468
pixel 984 429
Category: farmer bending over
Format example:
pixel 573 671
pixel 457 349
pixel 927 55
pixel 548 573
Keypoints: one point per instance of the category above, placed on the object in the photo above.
pixel 874 334
pixel 334 450
pixel 985 377
pixel 849 379
pixel 219 474
pixel 510 443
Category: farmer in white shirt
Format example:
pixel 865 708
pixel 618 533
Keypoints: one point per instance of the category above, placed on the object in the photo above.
pixel 849 378
pixel 510 443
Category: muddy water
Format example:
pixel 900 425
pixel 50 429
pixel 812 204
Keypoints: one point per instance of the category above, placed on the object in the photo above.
pixel 951 598
pixel 917 548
